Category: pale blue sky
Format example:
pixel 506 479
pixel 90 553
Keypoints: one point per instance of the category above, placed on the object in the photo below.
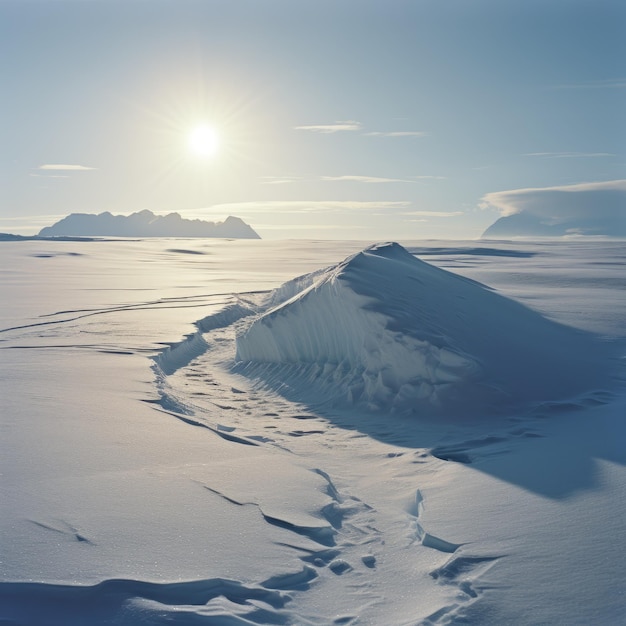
pixel 338 119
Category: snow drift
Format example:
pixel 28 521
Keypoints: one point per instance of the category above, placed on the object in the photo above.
pixel 384 330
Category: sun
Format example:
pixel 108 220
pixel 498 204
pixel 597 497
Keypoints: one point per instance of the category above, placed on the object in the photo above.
pixel 204 141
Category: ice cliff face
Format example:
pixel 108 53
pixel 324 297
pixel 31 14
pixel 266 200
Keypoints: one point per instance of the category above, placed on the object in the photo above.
pixel 386 331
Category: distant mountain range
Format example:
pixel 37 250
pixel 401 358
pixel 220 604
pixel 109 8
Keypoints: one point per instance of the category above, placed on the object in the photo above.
pixel 146 224
pixel 526 224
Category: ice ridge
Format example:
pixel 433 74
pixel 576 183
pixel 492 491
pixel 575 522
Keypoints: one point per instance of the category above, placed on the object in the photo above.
pixel 387 331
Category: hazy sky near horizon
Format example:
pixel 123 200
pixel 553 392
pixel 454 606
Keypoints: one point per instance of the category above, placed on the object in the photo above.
pixel 348 119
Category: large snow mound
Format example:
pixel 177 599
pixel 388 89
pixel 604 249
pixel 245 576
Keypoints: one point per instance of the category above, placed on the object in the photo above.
pixel 386 331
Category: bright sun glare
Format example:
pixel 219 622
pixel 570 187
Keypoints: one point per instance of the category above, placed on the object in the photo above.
pixel 204 141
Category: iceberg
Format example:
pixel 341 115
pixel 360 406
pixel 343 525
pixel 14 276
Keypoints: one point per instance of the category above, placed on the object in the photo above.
pixel 386 331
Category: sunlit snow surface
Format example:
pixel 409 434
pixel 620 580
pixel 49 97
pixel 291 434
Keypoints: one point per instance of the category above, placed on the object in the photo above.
pixel 156 469
pixel 386 331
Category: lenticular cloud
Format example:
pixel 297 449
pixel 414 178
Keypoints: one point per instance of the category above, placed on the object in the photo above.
pixel 386 331
pixel 584 209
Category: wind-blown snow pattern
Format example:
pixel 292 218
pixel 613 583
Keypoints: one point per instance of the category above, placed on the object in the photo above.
pixel 145 480
pixel 384 330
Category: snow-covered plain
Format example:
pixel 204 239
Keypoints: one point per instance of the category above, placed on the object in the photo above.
pixel 183 445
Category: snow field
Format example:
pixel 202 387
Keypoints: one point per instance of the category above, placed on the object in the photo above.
pixel 147 481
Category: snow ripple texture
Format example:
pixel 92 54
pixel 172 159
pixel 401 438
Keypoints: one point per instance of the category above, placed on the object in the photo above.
pixel 384 330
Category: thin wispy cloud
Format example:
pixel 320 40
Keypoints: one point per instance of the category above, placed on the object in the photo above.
pixel 49 175
pixel 397 133
pixel 283 180
pixel 28 224
pixel 65 167
pixel 299 206
pixel 34 219
pixel 353 126
pixel 335 127
pixel 365 179
pixel 441 214
pixel 278 180
pixel 569 155
pixel 290 227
